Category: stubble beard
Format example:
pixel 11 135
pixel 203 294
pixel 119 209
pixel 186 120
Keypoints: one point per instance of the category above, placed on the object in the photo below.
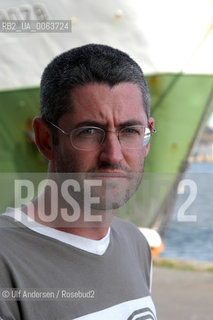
pixel 115 194
pixel 112 194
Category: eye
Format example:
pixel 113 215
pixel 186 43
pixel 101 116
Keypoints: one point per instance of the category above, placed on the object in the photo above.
pixel 131 131
pixel 87 131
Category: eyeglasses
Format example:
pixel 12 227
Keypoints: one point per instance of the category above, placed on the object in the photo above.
pixel 90 138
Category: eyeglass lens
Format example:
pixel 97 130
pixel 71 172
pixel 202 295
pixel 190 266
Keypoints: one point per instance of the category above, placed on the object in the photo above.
pixel 89 138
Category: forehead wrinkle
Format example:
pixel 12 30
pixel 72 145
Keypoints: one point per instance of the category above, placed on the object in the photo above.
pixel 105 105
pixel 109 114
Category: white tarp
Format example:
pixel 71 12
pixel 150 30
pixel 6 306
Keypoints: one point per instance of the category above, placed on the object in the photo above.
pixel 163 36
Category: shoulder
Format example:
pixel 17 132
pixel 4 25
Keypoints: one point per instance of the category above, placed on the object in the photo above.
pixel 6 250
pixel 13 237
pixel 7 225
pixel 128 227
pixel 130 239
pixel 128 233
pixel 8 230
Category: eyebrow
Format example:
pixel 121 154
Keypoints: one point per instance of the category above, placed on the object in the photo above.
pixel 131 122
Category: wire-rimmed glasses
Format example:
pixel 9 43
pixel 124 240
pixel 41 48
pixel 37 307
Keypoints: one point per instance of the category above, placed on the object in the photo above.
pixel 90 138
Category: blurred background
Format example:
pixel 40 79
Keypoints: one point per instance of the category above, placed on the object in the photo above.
pixel 172 41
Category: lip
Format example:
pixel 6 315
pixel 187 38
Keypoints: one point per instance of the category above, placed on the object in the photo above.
pixel 110 174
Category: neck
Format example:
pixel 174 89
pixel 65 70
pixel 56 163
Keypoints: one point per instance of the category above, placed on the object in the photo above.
pixel 94 233
pixel 92 223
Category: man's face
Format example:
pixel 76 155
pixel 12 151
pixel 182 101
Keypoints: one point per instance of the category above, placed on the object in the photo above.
pixel 120 169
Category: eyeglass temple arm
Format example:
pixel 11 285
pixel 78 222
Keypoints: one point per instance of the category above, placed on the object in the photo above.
pixel 54 125
pixel 153 130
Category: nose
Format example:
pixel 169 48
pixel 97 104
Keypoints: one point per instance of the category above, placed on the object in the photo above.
pixel 111 152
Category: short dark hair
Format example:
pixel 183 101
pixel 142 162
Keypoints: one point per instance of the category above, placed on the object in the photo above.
pixel 83 65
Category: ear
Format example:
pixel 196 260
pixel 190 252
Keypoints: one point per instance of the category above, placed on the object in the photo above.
pixel 43 138
pixel 151 121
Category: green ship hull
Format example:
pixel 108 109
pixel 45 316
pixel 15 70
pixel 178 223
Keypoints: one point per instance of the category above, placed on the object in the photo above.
pixel 179 119
pixel 174 49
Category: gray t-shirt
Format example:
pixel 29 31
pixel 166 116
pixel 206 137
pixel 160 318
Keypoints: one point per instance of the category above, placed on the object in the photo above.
pixel 55 280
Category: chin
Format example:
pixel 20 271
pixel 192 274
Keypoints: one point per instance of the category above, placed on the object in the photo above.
pixel 111 200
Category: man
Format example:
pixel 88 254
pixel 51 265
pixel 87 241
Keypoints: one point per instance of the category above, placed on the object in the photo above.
pixel 94 130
